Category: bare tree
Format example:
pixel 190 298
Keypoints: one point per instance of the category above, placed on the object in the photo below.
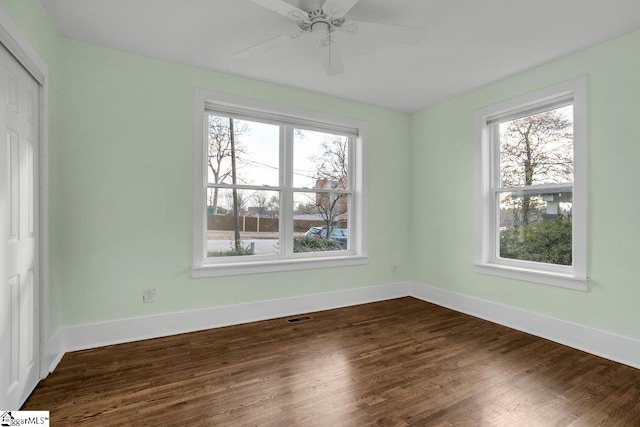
pixel 332 169
pixel 309 208
pixel 260 199
pixel 220 153
pixel 242 200
pixel 533 150
pixel 274 206
pixel 332 165
pixel 331 206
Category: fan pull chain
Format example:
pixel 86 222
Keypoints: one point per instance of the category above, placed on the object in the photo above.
pixel 329 40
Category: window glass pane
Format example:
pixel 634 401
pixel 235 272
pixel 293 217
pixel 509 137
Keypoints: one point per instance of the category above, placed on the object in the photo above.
pixel 257 222
pixel 320 160
pixel 537 149
pixel 256 147
pixel 320 222
pixel 536 225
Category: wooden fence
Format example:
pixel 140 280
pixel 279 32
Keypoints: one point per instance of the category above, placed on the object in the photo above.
pixel 255 224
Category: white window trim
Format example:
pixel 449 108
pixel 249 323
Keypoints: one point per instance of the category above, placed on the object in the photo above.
pixel 575 276
pixel 206 267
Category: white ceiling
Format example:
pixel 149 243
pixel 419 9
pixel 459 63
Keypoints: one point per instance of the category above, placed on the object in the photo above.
pixel 468 43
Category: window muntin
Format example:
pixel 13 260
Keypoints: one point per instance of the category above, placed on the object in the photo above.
pixel 542 190
pixel 303 138
pixel 535 182
pixel 245 187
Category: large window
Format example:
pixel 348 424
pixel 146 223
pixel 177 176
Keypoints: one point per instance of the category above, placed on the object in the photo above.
pixel 531 187
pixel 276 188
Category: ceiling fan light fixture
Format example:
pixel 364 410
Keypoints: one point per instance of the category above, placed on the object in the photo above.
pixel 321 33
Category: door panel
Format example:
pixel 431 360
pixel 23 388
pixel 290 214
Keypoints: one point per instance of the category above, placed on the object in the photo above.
pixel 19 287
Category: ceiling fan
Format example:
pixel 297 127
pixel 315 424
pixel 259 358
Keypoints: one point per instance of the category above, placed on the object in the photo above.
pixel 318 23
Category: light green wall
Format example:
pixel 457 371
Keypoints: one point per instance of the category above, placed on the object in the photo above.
pixel 443 192
pixel 126 189
pixel 34 24
pixel 121 183
pixel 121 152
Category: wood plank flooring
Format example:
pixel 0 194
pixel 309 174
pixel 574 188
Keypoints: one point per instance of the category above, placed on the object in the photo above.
pixel 393 363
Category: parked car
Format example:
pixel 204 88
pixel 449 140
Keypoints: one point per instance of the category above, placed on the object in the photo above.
pixel 340 235
pixel 314 232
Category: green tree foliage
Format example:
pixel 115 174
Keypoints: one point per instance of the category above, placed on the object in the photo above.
pixel 547 241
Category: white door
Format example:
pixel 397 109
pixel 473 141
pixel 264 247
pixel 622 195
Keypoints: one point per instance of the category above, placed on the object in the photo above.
pixel 19 287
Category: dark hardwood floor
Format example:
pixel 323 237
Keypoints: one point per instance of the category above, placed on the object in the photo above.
pixel 393 363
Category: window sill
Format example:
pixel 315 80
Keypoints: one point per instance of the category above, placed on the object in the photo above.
pixel 536 276
pixel 271 266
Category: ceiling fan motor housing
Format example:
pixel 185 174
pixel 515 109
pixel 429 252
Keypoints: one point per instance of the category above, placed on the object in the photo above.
pixel 318 18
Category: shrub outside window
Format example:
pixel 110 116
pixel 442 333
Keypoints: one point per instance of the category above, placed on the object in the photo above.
pixel 531 187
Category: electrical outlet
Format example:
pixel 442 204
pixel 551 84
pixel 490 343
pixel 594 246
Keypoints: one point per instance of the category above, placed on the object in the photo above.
pixel 394 269
pixel 148 295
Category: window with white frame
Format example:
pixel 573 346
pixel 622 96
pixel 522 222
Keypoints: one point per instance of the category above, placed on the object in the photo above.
pixel 275 188
pixel 531 187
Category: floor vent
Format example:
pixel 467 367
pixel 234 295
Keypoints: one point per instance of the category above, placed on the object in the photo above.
pixel 299 319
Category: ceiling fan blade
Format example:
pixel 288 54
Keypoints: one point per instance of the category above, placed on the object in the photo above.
pixel 350 28
pixel 389 32
pixel 283 8
pixel 331 59
pixel 278 41
pixel 338 8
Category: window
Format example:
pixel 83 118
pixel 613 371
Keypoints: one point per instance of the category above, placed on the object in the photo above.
pixel 531 187
pixel 275 188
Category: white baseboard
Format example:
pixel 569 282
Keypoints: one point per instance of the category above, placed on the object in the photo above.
pixel 605 344
pixel 119 331
pixel 601 343
pixel 55 351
